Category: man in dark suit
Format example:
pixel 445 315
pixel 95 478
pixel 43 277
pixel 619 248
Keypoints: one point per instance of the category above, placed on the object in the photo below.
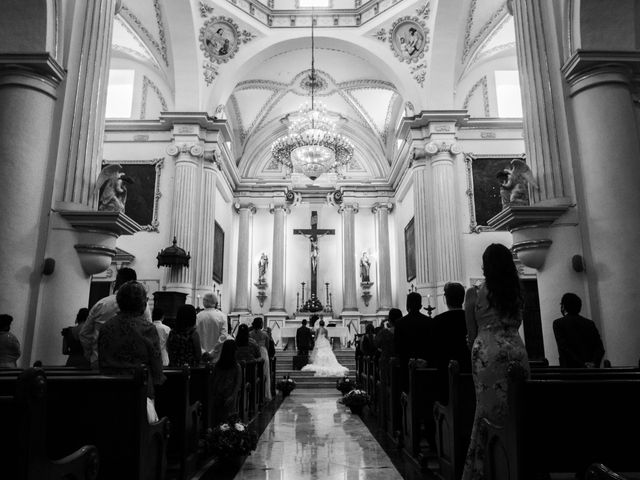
pixel 304 339
pixel 450 334
pixel 579 343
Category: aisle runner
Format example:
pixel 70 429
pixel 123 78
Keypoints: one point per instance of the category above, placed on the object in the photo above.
pixel 313 437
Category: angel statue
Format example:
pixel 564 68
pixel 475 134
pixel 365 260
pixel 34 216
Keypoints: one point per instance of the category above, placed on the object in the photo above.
pixel 112 189
pixel 513 183
pixel 263 263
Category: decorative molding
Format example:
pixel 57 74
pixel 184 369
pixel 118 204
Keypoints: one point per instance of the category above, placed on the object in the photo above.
pixel 146 83
pixel 210 72
pixel 161 46
pixel 205 10
pixel 469 43
pixel 482 83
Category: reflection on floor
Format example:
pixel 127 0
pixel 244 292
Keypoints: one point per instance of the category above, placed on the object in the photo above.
pixel 313 437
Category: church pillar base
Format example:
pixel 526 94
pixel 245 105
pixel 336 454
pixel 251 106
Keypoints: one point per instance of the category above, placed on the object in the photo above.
pixel 276 321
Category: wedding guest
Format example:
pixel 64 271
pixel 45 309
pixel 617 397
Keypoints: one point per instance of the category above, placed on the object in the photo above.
pixel 183 344
pixel 384 342
pixel 579 343
pixel 157 316
pixel 451 332
pixel 493 313
pixel 71 342
pixel 227 380
pixel 262 339
pixel 211 323
pixel 272 344
pixel 246 347
pixel 128 340
pixel 367 341
pixel 9 344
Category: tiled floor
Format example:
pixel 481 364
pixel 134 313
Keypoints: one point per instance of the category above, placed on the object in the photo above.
pixel 313 437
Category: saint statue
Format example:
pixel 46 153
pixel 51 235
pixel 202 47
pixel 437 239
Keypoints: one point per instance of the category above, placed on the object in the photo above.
pixel 365 266
pixel 111 189
pixel 263 263
pixel 513 183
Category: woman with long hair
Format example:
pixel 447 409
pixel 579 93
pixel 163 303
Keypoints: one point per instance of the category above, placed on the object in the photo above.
pixel 262 339
pixel 227 379
pixel 493 313
pixel 183 343
pixel 71 342
pixel 246 348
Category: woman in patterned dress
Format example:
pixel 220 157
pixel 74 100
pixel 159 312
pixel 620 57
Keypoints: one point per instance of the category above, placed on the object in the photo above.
pixel 493 313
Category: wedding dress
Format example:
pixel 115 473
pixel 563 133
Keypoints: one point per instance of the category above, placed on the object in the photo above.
pixel 322 360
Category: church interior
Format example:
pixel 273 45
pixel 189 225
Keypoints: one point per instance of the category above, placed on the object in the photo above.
pixel 320 157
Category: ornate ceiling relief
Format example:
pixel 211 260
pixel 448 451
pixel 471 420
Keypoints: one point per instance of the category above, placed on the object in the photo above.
pixel 482 83
pixel 220 40
pixel 470 44
pixel 146 84
pixel 161 45
pixel 408 39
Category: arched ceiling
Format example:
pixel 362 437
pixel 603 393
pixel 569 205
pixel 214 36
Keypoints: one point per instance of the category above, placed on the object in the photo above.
pixel 369 78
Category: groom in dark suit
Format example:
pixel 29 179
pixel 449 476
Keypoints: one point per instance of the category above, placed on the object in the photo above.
pixel 304 339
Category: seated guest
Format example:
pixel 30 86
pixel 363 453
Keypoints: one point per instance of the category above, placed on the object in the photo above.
pixel 128 340
pixel 227 379
pixel 367 342
pixel 163 333
pixel 71 342
pixel 579 343
pixel 304 338
pixel 246 348
pixel 451 334
pixel 183 344
pixel 385 344
pixel 9 344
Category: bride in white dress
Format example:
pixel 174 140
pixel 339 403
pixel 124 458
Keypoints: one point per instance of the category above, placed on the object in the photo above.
pixel 323 361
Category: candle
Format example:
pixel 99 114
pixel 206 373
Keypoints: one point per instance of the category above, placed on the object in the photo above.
pixel 429 299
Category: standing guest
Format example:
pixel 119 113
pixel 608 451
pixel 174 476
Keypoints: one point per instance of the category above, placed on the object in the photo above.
pixel 384 342
pixel 451 332
pixel 262 340
pixel 183 344
pixel 414 337
pixel 163 333
pixel 246 347
pixel 227 379
pixel 128 340
pixel 211 323
pixel 579 343
pixel 272 345
pixel 9 344
pixel 71 342
pixel 493 314
pixel 104 309
pixel 304 338
pixel 367 341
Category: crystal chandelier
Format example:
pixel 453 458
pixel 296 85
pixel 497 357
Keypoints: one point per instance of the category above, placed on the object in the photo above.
pixel 312 146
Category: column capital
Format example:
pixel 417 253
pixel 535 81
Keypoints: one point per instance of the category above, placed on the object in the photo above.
pixel 194 149
pixel 247 206
pixel 353 207
pixel 382 206
pixel 434 148
pixel 273 207
pixel 212 158
pixel 586 70
pixel 39 71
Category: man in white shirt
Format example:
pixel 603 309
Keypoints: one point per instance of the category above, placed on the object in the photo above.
pixel 163 333
pixel 211 323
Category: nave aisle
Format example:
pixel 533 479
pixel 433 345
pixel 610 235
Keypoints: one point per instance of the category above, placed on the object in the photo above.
pixel 311 436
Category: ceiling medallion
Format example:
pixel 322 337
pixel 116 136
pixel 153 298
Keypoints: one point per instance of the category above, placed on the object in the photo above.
pixel 318 83
pixel 409 39
pixel 219 39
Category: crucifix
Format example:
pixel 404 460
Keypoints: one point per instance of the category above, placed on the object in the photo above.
pixel 313 234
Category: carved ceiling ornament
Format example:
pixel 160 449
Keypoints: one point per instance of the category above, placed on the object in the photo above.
pixel 409 39
pixel 220 39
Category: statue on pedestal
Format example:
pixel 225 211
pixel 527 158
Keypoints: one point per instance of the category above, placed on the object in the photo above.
pixel 513 183
pixel 263 264
pixel 365 267
pixel 111 189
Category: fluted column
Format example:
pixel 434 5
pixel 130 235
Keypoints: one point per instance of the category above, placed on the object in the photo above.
pixel 349 299
pixel 83 117
pixel 204 250
pixel 381 212
pixel 183 215
pixel 245 212
pixel 278 261
pixel 446 224
pixel 423 225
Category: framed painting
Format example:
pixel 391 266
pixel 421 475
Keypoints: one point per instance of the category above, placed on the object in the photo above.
pixel 410 250
pixel 218 253
pixel 143 194
pixel 483 188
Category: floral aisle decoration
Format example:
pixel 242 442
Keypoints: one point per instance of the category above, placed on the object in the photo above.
pixel 356 399
pixel 286 385
pixel 345 385
pixel 232 439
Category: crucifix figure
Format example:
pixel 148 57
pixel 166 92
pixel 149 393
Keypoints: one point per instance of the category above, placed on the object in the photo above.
pixel 313 234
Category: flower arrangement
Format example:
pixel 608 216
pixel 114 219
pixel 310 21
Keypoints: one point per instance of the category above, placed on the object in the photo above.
pixel 345 385
pixel 312 305
pixel 356 399
pixel 232 439
pixel 286 385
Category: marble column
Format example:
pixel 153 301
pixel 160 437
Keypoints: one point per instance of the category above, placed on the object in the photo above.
pixel 183 216
pixel 278 261
pixel 245 212
pixel 381 212
pixel 204 250
pixel 446 224
pixel 423 224
pixel 28 92
pixel 607 175
pixel 349 299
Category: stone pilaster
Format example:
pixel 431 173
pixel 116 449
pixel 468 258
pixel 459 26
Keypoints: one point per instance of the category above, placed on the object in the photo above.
pixel 204 249
pixel 278 261
pixel 349 298
pixel 245 212
pixel 381 212
pixel 423 224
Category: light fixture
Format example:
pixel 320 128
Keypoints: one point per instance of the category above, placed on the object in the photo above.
pixel 312 146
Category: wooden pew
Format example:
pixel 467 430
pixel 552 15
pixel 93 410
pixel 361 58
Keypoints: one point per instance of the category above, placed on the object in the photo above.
pixel 598 471
pixel 454 422
pixel 251 368
pixel 371 380
pixel 262 384
pixel 417 407
pixel 173 401
pixel 382 402
pixel 201 390
pixel 23 451
pixel 564 425
pixel 272 366
pixel 394 421
pixel 244 397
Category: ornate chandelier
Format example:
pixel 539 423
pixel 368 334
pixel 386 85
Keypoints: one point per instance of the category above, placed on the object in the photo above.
pixel 312 146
